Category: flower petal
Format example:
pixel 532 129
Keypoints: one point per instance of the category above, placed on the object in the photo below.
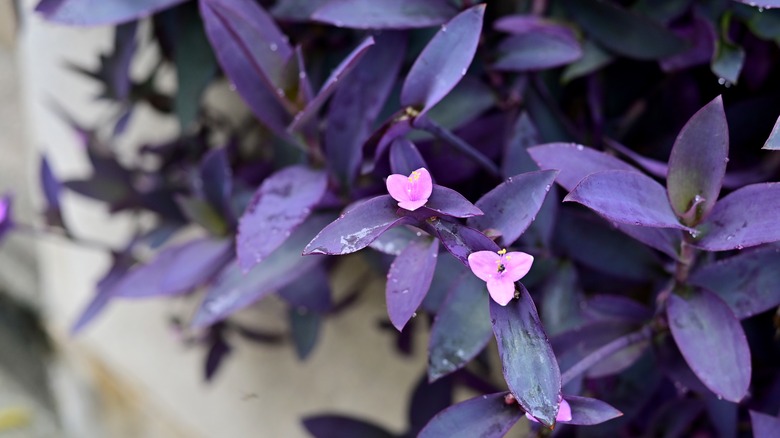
pixel 484 264
pixel 424 186
pixel 412 205
pixel 501 289
pixel 517 264
pixel 397 186
pixel 564 411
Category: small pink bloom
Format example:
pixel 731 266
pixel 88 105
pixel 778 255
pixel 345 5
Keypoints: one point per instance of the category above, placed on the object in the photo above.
pixel 413 191
pixel 500 270
pixel 564 413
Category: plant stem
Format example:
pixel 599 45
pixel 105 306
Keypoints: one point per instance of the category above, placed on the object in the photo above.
pixel 444 134
pixel 605 352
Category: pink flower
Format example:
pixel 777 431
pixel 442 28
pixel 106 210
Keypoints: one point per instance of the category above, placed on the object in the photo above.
pixel 500 270
pixel 564 413
pixel 413 191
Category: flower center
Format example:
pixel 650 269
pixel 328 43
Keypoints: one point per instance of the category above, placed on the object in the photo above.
pixel 501 268
pixel 411 188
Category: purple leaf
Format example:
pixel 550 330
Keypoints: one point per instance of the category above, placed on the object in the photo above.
pixel 357 227
pixel 305 327
pixel 701 35
pixel 653 167
pixel 338 74
pixel 546 47
pixel 574 161
pixel 405 157
pixel 747 282
pixel 626 197
pixel 428 399
pixel 594 243
pixel 204 214
pixel 625 32
pixel 484 416
pixel 357 102
pixel 99 12
pixel 385 14
pixel 723 415
pixel 283 201
pixel 616 308
pixel 104 293
pixel 444 61
pixel 459 240
pixel 587 411
pixel 512 205
pixel 666 240
pixel 394 240
pixel 245 61
pixel 296 10
pixel 234 290
pixel 461 328
pixel 762 4
pixel 256 32
pixel 529 364
pixel 579 343
pixel 217 180
pixel 698 162
pixel 773 142
pixel 409 279
pixel 337 426
pixel 219 350
pixel 51 190
pixel 176 269
pixel 516 157
pixel 764 426
pixel 522 24
pixel 712 341
pixel 562 300
pixel 448 271
pixel 310 292
pixel 451 203
pixel 746 217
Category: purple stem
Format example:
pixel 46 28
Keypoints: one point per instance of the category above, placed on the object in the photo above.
pixel 605 352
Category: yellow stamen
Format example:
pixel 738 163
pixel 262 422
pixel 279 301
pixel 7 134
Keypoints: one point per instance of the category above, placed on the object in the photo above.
pixel 502 252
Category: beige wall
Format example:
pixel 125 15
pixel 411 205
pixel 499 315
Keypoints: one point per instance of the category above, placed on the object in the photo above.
pixel 128 375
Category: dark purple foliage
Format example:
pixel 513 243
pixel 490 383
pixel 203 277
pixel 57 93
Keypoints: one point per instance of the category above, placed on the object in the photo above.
pixel 656 280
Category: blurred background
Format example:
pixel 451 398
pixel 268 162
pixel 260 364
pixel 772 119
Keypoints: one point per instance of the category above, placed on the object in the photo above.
pixel 129 374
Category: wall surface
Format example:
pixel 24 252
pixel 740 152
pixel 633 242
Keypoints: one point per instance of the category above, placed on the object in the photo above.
pixel 129 375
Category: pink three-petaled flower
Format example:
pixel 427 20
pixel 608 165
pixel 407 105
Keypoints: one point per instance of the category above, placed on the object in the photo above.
pixel 413 191
pixel 564 413
pixel 500 270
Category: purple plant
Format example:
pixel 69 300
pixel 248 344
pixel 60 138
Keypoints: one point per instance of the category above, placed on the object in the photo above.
pixel 428 136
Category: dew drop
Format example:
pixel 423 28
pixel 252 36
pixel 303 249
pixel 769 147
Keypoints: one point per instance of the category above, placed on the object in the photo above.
pixel 405 291
pixel 547 187
pixel 232 87
pixel 444 28
pixel 721 81
pixel 740 247
pixel 414 315
pixel 395 280
pixel 419 233
pixel 484 397
pixel 302 75
pixel 463 72
pixel 280 92
pixel 274 47
pixel 580 147
pixel 729 237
